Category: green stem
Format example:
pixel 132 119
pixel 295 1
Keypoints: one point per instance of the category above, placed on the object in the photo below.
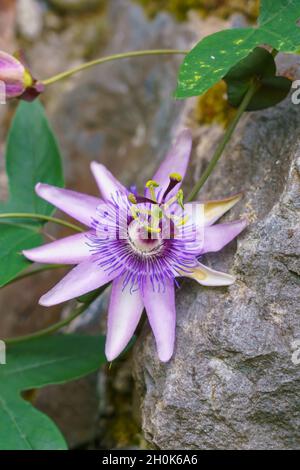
pixel 219 150
pixel 51 329
pixel 20 215
pixel 102 60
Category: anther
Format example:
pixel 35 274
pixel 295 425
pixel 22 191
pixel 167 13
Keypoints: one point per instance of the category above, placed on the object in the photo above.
pixel 132 198
pixel 152 184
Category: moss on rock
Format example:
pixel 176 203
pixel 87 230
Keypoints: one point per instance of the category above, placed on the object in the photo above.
pixel 213 106
pixel 223 8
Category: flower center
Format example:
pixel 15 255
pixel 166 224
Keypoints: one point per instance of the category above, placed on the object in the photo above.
pixel 141 241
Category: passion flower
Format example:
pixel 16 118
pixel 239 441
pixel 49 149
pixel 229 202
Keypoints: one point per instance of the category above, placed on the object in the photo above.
pixel 141 243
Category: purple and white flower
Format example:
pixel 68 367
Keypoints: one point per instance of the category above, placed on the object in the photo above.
pixel 140 243
pixel 18 81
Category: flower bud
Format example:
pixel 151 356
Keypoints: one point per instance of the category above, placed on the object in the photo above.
pixel 17 79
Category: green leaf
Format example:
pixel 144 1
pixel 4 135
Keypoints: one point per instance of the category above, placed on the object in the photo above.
pixel 259 65
pixel 212 58
pixel 32 156
pixel 13 240
pixel 30 365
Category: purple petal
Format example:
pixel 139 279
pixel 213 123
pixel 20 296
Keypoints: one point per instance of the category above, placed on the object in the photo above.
pixel 209 277
pixel 13 89
pixel 212 210
pixel 160 308
pixel 86 277
pixel 107 183
pixel 69 250
pixel 12 74
pixel 124 314
pixel 217 236
pixel 176 161
pixel 79 206
pixel 10 65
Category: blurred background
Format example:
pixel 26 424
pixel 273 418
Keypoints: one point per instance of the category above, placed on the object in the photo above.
pixel 121 114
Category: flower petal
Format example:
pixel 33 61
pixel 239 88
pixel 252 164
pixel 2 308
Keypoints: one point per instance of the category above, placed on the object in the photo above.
pixel 86 277
pixel 12 74
pixel 209 277
pixel 79 206
pixel 160 308
pixel 107 183
pixel 211 210
pixel 176 161
pixel 10 67
pixel 219 235
pixel 68 250
pixel 124 314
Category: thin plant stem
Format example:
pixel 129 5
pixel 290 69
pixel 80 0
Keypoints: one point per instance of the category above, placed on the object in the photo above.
pixel 46 218
pixel 227 136
pixel 50 330
pixel 102 60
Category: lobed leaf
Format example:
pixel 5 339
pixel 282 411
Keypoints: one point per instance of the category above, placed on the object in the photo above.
pixel 44 361
pixel 212 58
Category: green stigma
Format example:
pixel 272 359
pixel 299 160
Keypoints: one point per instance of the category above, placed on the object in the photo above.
pixel 175 177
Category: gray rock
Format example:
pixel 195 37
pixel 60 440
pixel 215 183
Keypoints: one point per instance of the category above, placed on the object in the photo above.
pixel 232 383
pixel 29 19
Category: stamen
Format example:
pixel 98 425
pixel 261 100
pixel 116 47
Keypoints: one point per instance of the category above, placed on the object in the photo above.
pixel 134 212
pixel 151 229
pixel 151 185
pixel 138 199
pixel 170 202
pixel 177 219
pixel 180 198
pixel 132 198
pixel 156 214
pixel 183 221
